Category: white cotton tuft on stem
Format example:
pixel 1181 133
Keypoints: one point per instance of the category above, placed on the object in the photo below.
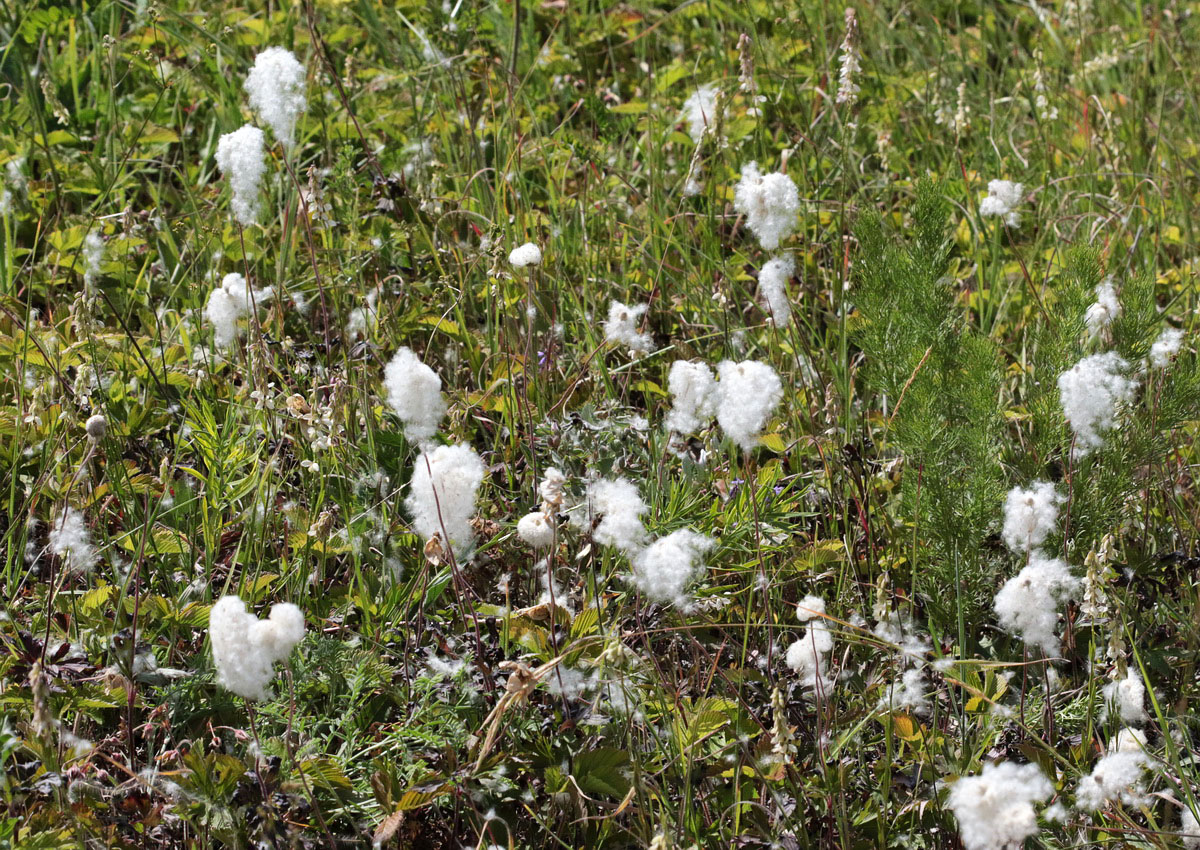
pixel 700 111
pixel 621 327
pixel 994 808
pixel 1166 347
pixel 694 397
pixel 1002 200
pixel 230 302
pixel 525 255
pixel 665 568
pixel 1100 315
pixel 441 496
pixel 1091 392
pixel 71 541
pixel 246 648
pixel 772 285
pixel 620 508
pixel 1118 775
pixel 241 156
pixel 807 655
pixel 747 395
pixel 275 86
pixel 1030 516
pixel 536 529
pixel 770 203
pixel 1128 697
pixel 414 392
pixel 1027 605
pixel 93 256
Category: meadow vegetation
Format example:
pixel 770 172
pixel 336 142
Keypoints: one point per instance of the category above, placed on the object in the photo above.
pixel 547 424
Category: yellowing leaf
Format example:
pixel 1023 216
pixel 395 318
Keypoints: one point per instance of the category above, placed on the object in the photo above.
pixel 906 729
pixel 158 136
pixel 96 597
pixel 774 442
pixel 650 387
pixel 446 326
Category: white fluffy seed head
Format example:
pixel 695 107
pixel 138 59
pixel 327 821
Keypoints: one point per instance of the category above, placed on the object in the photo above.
pixel 246 648
pixel 1002 199
pixel 230 302
pixel 908 694
pixel 536 529
pixel 1117 777
pixel 71 541
pixel 414 392
pixel 93 257
pixel 809 608
pixel 1128 697
pixel 1189 828
pixel 525 255
pixel 1028 603
pixel 552 490
pixel 620 508
pixel 772 286
pixel 664 569
pixel 441 495
pixel 807 655
pixel 995 808
pixel 1107 307
pixel 1091 392
pixel 700 111
pixel 694 397
pixel 1030 516
pixel 621 327
pixel 747 395
pixel 275 86
pixel 1129 741
pixel 241 157
pixel 1166 347
pixel 770 203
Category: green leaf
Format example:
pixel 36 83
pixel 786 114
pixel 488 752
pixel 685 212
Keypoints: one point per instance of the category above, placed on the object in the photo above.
pixel 601 772
pixel 326 773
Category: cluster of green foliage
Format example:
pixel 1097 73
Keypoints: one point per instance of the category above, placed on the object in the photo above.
pixel 920 369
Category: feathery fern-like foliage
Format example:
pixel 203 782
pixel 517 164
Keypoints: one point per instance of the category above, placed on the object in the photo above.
pixel 941 382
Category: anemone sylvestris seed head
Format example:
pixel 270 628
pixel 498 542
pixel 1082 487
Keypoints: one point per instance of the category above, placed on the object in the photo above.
pixel 414 392
pixel 694 397
pixel 665 568
pixel 441 496
pixel 747 396
pixel 1168 344
pixel 275 86
pixel 621 327
pixel 241 156
pixel 528 254
pixel 1030 516
pixel 770 203
pixel 246 648
pixel 1028 603
pixel 1002 200
pixel 700 111
pixel 995 807
pixel 536 529
pixel 772 286
pixel 1091 393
